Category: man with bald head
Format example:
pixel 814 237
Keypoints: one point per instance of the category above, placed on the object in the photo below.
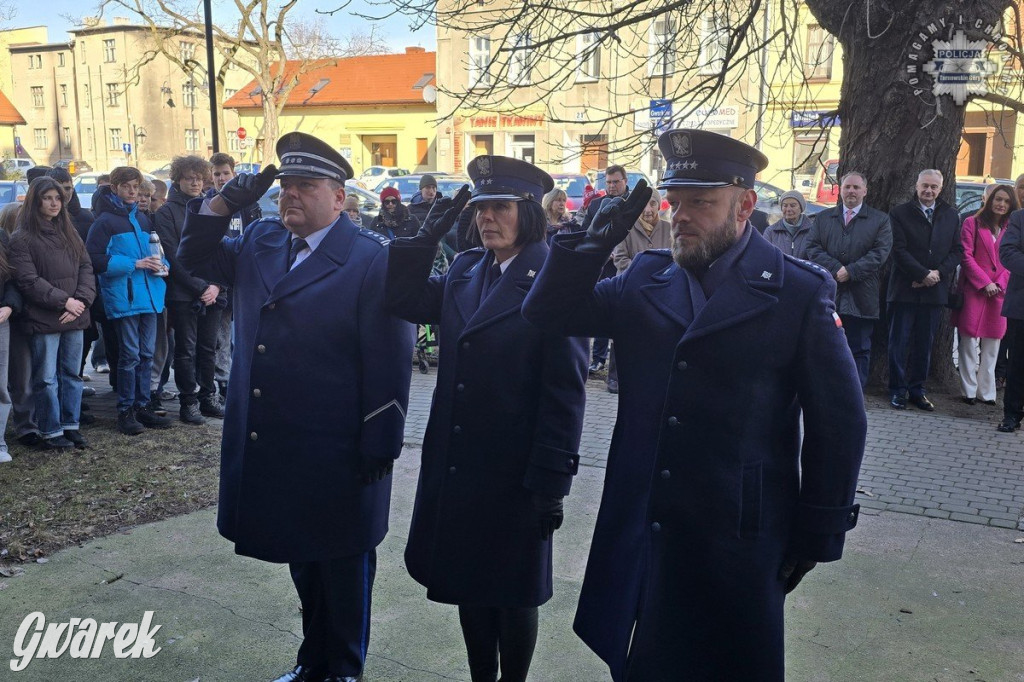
pixel 925 250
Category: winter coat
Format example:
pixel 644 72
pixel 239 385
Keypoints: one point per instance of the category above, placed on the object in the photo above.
pixel 709 487
pixel 1011 255
pixel 168 223
pixel 9 294
pixel 81 217
pixel 408 226
pixel 794 245
pixel 861 247
pixel 319 385
pixel 48 273
pixel 637 240
pixel 981 315
pixel 419 209
pixel 919 246
pixel 117 239
pixel 505 422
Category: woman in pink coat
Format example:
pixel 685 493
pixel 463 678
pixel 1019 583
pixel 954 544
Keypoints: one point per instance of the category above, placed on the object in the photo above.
pixel 983 280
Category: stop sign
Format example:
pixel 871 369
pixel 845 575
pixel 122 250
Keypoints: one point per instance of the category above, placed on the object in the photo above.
pixel 241 133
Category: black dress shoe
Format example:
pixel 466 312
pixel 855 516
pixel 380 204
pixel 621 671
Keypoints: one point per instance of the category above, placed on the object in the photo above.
pixel 595 366
pixel 898 402
pixel 613 386
pixel 303 673
pixel 1008 425
pixel 29 439
pixel 988 402
pixel 969 401
pixel 922 402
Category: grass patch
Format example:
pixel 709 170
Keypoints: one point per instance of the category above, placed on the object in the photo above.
pixel 51 501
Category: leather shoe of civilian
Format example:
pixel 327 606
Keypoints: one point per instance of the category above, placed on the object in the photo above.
pixel 1008 425
pixel 303 673
pixel 921 402
pixel 898 402
pixel 595 366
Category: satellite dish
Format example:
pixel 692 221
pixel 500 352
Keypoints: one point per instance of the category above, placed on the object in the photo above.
pixel 429 94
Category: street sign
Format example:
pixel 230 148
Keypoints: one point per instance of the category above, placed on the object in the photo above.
pixel 126 147
pixel 661 113
pixel 241 133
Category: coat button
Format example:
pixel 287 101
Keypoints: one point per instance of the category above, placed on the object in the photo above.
pixel 681 365
pixel 451 470
pixel 272 306
pixel 570 463
pixel 261 348
pixel 665 473
pixel 253 436
pixel 256 393
pixel 655 526
pixel 457 430
pixel 672 421
pixel 852 517
pixel 465 345
pixel 460 388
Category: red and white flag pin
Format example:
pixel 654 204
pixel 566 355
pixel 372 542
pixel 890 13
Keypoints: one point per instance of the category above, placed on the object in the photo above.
pixel 839 322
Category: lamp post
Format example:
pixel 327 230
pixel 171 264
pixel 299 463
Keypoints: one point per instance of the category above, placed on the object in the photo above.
pixel 138 137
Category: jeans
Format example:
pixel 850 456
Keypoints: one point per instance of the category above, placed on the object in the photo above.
pixel 911 330
pixel 224 346
pixel 858 337
pixel 5 397
pixel 136 337
pixel 57 386
pixel 19 378
pixel 195 350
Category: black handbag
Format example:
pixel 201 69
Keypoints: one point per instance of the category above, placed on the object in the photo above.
pixel 956 292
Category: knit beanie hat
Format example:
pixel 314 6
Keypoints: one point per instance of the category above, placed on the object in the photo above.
pixel 793 194
pixel 428 181
pixel 390 193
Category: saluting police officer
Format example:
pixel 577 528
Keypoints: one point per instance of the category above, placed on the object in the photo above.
pixel 712 509
pixel 317 395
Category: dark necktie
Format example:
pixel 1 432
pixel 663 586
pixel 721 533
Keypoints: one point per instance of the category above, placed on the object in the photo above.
pixel 492 277
pixel 298 244
pixel 928 213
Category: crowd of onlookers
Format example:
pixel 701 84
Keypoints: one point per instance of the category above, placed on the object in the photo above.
pixel 103 283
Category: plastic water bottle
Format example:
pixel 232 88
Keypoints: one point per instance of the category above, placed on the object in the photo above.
pixel 157 251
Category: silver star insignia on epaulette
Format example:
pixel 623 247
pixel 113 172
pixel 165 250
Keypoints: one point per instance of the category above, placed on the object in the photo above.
pixel 766 275
pixel 531 273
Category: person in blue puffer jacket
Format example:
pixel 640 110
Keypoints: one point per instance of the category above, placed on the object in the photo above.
pixel 132 286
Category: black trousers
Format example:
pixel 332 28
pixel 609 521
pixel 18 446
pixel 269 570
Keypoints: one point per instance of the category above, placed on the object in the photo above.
pixel 1003 359
pixel 499 636
pixel 195 350
pixel 911 333
pixel 335 597
pixel 1013 399
pixel 858 338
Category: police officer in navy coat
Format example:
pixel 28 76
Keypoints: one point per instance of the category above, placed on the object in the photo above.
pixel 317 395
pixel 713 507
pixel 501 445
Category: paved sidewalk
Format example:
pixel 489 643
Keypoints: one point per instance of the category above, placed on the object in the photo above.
pixel 914 598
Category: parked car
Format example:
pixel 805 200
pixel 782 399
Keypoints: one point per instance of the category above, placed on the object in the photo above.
pixel 15 168
pixel 573 184
pixel 72 166
pixel 826 189
pixel 632 177
pixel 408 185
pixel 372 176
pixel 85 186
pixel 248 168
pixel 162 173
pixel 369 204
pixel 769 198
pixel 11 191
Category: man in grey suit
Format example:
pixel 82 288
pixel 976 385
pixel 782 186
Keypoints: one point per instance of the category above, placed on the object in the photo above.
pixel 852 241
pixel 1011 254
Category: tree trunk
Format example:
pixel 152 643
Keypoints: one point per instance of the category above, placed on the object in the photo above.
pixel 891 129
pixel 270 130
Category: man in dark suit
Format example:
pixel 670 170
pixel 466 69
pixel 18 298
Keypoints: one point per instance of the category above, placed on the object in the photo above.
pixel 317 396
pixel 713 509
pixel 1011 255
pixel 852 242
pixel 926 250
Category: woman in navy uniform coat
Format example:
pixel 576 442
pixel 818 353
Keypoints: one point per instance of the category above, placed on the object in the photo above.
pixel 713 508
pixel 317 396
pixel 501 445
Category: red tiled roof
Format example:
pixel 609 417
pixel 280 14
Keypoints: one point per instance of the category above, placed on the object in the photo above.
pixel 9 116
pixel 377 79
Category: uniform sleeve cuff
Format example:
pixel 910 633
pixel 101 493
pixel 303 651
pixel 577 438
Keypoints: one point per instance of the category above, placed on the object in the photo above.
pixel 550 470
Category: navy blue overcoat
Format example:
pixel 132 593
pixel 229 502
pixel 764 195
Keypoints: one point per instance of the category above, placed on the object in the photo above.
pixel 708 487
pixel 505 422
pixel 319 382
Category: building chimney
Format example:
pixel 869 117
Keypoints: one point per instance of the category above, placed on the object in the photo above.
pixel 415 50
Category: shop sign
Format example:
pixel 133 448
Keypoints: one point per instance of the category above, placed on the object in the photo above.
pixel 813 119
pixel 505 121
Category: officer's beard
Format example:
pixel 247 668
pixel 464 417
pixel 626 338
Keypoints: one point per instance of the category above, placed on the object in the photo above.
pixel 698 255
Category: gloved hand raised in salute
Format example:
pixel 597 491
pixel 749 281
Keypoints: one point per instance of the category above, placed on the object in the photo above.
pixel 614 220
pixel 442 215
pixel 246 189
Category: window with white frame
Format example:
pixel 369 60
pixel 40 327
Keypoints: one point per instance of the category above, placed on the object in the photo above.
pixel 90 139
pixel 81 47
pixel 37 95
pixel 63 95
pixel 520 63
pixel 186 51
pixel 115 139
pixel 714 43
pixel 60 59
pixel 661 50
pixel 35 61
pixel 66 137
pixel 113 95
pixel 39 137
pixel 479 58
pixel 109 51
pixel 188 94
pixel 818 59
pixel 86 97
pixel 191 139
pixel 588 49
pixel 229 93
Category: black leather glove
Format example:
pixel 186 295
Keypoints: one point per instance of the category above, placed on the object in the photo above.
pixel 245 188
pixel 614 220
pixel 374 469
pixel 548 512
pixel 442 215
pixel 793 571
